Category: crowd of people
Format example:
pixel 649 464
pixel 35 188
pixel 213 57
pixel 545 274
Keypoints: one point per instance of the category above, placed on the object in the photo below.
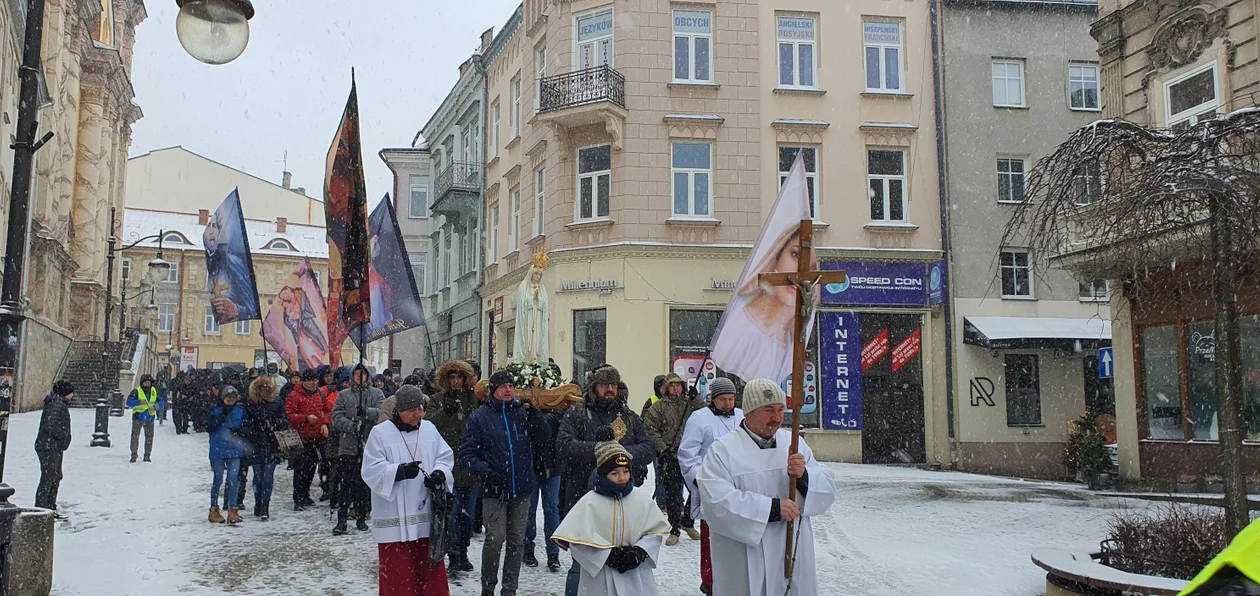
pixel 385 453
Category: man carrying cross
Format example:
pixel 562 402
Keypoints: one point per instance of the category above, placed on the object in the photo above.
pixel 744 499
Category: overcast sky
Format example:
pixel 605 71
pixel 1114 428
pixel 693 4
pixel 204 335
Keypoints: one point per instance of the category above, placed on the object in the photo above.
pixel 287 91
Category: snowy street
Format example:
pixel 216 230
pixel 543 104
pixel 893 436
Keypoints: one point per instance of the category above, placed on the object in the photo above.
pixel 141 529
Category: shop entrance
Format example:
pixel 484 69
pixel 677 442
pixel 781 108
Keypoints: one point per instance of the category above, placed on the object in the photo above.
pixel 892 379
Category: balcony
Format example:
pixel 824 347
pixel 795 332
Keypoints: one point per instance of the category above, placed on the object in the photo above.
pixel 457 188
pixel 582 98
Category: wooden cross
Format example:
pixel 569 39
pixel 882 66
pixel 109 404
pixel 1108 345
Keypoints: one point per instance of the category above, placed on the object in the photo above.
pixel 804 280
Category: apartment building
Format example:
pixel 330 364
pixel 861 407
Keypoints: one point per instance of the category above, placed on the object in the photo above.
pixel 411 167
pixel 640 146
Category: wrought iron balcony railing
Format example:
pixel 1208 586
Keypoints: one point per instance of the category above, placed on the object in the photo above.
pixel 591 85
pixel 461 176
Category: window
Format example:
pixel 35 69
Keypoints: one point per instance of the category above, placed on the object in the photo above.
pixel 1098 290
pixel 173 238
pixel 692 168
pixel 471 246
pixel 540 199
pixel 516 107
pixel 886 175
pixel 242 327
pixel 494 232
pixel 466 142
pixel 1008 83
pixel 166 317
pixel 124 270
pixel 1010 177
pixel 212 326
pixel 1087 184
pixel 279 245
pixel 494 135
pixel 439 275
pixel 1083 86
pixel 1161 379
pixel 1016 273
pixel 590 341
pixel 540 64
pixel 1201 358
pixel 419 197
pixel 418 270
pixel 693 40
pixel 1191 97
pixel 595 40
pixel 514 232
pixel 787 156
pixel 1023 391
pixel 452 254
pixel 594 182
pixel 173 274
pixel 796 51
pixel 882 41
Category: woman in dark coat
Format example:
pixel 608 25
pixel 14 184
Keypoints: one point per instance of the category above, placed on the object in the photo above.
pixel 263 417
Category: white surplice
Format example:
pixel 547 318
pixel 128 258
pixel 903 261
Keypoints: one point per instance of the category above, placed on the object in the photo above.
pixel 737 481
pixel 597 523
pixel 703 427
pixel 400 509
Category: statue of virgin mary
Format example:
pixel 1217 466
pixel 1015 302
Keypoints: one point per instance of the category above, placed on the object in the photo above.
pixel 532 316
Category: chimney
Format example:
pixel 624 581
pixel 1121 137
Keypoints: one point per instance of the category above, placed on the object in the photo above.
pixel 300 190
pixel 287 180
pixel 203 216
pixel 282 224
pixel 486 38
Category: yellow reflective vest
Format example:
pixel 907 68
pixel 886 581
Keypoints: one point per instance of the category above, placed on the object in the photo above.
pixel 148 403
pixel 1243 554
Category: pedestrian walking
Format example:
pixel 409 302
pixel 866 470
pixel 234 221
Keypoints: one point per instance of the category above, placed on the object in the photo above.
pixel 164 389
pixel 306 411
pixel 264 416
pixel 353 416
pixel 498 448
pixel 665 421
pixel 703 427
pixel 449 410
pixel 224 425
pixel 51 443
pixel 547 475
pixel 143 402
pixel 403 460
pixel 613 531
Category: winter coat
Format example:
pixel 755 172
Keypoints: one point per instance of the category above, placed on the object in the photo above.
pixel 451 419
pixel 498 447
pixel 54 425
pixel 224 425
pixel 302 404
pixel 575 445
pixel 353 415
pixel 145 415
pixel 545 463
pixel 262 420
pixel 667 417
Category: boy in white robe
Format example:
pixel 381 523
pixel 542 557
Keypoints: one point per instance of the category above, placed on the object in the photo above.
pixel 743 485
pixel 403 460
pixel 614 532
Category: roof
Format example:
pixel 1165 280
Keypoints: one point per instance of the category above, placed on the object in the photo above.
pixel 308 241
pixel 1036 332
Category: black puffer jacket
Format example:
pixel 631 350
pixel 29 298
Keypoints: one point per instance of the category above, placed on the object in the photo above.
pixel 575 444
pixel 54 425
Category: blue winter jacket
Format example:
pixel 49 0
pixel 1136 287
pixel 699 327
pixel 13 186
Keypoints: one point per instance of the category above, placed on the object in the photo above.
pixel 498 447
pixel 224 428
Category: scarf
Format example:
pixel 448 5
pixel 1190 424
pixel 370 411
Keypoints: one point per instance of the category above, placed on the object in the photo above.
pixel 402 426
pixel 770 443
pixel 603 486
pixel 722 413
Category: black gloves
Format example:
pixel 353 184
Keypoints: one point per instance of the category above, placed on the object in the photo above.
pixel 407 471
pixel 451 407
pixel 435 480
pixel 626 558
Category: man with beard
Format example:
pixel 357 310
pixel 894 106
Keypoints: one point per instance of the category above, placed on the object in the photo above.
pixel 703 427
pixel 603 405
pixel 665 420
pixel 449 411
pixel 353 415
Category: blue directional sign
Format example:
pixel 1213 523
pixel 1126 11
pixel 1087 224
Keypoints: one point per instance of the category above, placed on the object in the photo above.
pixel 1106 364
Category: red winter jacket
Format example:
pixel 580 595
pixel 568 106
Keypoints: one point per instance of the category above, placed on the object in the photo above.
pixel 301 404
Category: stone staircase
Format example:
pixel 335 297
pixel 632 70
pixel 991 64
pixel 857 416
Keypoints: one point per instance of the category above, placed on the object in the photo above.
pixel 85 367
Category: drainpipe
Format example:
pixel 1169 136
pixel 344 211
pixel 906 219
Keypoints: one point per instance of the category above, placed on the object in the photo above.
pixel 478 64
pixel 939 99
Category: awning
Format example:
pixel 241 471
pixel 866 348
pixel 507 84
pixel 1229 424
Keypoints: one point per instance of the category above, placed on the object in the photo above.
pixel 1035 333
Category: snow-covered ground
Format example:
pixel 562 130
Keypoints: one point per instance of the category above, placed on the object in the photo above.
pixel 140 529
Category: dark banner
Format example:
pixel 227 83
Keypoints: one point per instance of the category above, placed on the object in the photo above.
pixel 229 265
pixel 345 209
pixel 391 284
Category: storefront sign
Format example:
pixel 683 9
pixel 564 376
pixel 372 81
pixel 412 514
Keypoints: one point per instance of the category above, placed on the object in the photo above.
pixel 906 350
pixel 877 283
pixel 696 370
pixel 188 358
pixel 881 33
pixel 725 285
pixel 600 25
pixel 498 309
pixel 936 283
pixel 840 353
pixel 602 286
pixel 798 29
pixel 811 389
pixel 692 21
pixel 874 350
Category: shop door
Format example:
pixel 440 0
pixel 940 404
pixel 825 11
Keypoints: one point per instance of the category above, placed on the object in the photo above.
pixel 892 381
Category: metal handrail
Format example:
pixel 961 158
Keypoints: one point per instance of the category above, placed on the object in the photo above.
pixel 460 175
pixel 590 85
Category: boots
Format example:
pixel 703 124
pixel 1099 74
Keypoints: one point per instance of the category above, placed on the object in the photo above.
pixel 692 533
pixel 133 459
pixel 234 516
pixel 215 516
pixel 340 528
pixel 266 511
pixel 553 563
pixel 257 509
pixel 465 564
pixel 672 540
pixel 530 560
pixel 361 524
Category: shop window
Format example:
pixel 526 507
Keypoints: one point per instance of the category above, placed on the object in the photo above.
pixel 1201 356
pixel 1023 390
pixel 590 340
pixel 1161 375
pixel 1249 337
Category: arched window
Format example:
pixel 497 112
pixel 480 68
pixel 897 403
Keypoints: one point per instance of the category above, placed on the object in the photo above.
pixel 173 238
pixel 279 244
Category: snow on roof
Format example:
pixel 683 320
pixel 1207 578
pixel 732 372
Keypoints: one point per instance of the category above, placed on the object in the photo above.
pixel 306 241
pixel 995 328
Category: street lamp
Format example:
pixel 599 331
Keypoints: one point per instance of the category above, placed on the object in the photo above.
pixel 214 31
pixel 159 270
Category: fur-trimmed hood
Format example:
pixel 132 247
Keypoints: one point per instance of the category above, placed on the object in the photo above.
pixel 263 389
pixel 454 366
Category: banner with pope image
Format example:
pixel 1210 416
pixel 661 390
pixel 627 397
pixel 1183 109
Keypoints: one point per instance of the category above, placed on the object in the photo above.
pixel 395 304
pixel 296 324
pixel 229 265
pixel 754 337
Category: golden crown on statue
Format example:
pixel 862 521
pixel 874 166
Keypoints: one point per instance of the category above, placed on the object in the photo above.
pixel 540 260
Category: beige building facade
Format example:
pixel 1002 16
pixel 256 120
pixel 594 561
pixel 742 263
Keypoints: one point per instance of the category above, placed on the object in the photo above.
pixel 413 185
pixel 640 147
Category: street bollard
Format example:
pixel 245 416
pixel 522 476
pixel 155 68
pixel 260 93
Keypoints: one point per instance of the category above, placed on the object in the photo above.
pixel 100 438
pixel 8 515
pixel 31 571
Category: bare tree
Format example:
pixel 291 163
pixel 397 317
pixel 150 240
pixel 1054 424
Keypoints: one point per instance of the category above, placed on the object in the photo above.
pixel 1117 201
